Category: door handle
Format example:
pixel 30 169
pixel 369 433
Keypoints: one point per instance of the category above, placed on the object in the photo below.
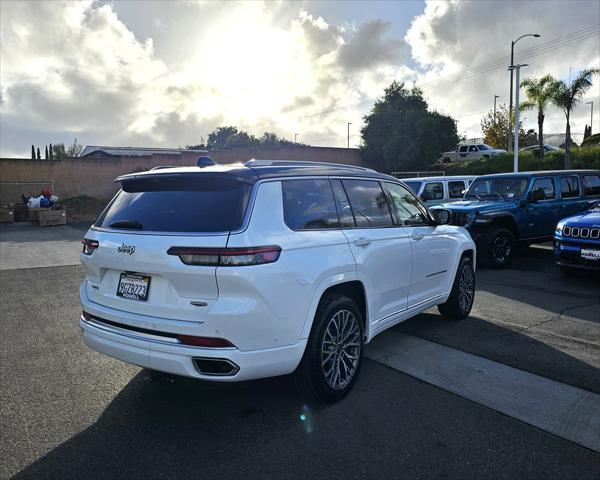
pixel 362 242
pixel 417 236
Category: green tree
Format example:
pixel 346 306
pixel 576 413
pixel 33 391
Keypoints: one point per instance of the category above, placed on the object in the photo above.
pixel 495 128
pixel 46 153
pixel 58 151
pixel 567 96
pixel 539 95
pixel 401 134
pixel 39 157
pixel 74 149
pixel 50 153
pixel 32 152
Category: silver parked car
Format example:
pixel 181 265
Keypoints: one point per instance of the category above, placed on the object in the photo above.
pixel 436 190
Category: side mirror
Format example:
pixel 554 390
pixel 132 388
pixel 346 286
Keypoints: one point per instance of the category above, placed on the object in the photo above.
pixel 441 216
pixel 536 195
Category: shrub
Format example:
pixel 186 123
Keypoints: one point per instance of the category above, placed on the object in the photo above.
pixel 588 157
pixel 592 141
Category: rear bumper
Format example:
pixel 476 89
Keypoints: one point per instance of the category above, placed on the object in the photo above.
pixel 178 359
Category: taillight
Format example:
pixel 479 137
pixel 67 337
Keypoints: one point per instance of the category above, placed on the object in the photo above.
pixel 89 246
pixel 226 257
pixel 208 342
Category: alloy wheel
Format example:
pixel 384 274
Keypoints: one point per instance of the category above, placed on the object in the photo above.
pixel 340 349
pixel 501 248
pixel 466 288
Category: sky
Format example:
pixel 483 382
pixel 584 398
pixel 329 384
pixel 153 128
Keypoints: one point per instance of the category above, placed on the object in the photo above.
pixel 166 73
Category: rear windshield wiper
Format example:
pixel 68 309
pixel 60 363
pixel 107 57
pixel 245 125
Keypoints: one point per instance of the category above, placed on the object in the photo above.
pixel 127 224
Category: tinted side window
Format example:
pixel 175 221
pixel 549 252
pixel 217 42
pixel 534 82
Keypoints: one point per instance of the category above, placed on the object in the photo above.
pixel 369 203
pixel 546 185
pixel 433 191
pixel 473 148
pixel 591 185
pixel 463 149
pixel 455 189
pixel 343 205
pixel 308 204
pixel 569 187
pixel 408 208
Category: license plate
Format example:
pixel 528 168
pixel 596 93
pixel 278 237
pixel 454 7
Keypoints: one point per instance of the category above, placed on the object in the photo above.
pixel 590 254
pixel 133 286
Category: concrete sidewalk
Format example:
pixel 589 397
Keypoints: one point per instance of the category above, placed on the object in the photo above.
pixel 23 245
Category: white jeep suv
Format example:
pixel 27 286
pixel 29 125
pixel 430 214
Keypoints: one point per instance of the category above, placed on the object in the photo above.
pixel 240 272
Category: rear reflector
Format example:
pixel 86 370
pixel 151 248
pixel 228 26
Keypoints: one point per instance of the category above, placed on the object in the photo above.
pixel 208 342
pixel 89 246
pixel 226 257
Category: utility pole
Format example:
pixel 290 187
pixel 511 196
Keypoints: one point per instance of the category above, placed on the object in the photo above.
pixel 295 138
pixel 516 152
pixel 512 61
pixel 591 104
pixel 495 98
pixel 349 134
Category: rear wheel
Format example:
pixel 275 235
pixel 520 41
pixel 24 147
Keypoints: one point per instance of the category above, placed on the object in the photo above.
pixel 333 354
pixel 460 301
pixel 496 248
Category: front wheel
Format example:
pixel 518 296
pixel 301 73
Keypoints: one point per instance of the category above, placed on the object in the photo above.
pixel 333 354
pixel 496 248
pixel 460 301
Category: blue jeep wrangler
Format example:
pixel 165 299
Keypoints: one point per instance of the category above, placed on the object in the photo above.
pixel 503 210
pixel 577 242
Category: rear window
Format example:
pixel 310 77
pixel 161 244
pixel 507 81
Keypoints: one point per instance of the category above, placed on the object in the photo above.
pixel 569 187
pixel 368 203
pixel 456 189
pixel 309 205
pixel 591 185
pixel 178 203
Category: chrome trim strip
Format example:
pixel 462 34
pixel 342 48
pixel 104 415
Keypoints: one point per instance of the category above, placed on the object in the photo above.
pixel 436 273
pixel 130 333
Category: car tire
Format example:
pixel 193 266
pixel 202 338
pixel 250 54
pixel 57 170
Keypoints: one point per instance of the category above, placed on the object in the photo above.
pixel 333 356
pixel 496 248
pixel 459 303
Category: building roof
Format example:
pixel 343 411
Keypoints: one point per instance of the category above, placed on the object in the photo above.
pixel 133 151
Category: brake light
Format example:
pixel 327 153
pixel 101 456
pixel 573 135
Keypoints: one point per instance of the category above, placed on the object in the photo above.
pixel 226 257
pixel 208 342
pixel 89 246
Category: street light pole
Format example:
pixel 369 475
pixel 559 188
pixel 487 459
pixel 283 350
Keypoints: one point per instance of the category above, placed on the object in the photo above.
pixel 295 138
pixel 591 104
pixel 512 61
pixel 495 98
pixel 516 152
pixel 349 134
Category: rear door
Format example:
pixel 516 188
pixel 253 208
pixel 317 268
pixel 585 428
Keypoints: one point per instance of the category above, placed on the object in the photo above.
pixel 570 195
pixel 148 217
pixel 382 251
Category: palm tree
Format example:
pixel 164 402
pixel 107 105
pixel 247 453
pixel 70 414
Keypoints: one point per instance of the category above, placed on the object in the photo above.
pixel 539 95
pixel 566 97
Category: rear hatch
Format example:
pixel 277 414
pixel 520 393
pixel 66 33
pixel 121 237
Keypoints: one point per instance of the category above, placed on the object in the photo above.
pixel 131 269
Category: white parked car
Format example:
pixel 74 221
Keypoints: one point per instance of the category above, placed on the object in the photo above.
pixel 438 190
pixel 464 152
pixel 239 272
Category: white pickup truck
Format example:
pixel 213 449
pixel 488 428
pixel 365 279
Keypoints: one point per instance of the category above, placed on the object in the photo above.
pixel 465 152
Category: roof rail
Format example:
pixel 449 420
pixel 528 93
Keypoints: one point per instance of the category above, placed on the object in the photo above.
pixel 160 167
pixel 302 163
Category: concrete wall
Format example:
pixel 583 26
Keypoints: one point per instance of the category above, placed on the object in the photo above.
pixel 95 176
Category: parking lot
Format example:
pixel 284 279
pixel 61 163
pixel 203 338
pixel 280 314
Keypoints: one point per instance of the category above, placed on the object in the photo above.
pixel 512 391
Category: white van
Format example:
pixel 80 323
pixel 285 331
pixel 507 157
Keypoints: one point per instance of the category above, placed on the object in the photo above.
pixel 436 190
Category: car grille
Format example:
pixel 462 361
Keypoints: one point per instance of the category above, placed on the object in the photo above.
pixel 581 232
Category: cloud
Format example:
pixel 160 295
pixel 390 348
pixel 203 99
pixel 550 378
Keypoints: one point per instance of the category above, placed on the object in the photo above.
pixel 450 42
pixel 77 69
pixel 367 48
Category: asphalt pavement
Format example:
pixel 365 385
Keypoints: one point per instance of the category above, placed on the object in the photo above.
pixel 69 412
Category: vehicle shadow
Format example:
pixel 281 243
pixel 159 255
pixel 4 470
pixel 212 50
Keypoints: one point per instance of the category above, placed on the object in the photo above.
pixel 508 346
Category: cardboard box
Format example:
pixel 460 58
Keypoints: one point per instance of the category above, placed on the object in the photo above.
pixel 52 217
pixel 34 214
pixel 6 215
